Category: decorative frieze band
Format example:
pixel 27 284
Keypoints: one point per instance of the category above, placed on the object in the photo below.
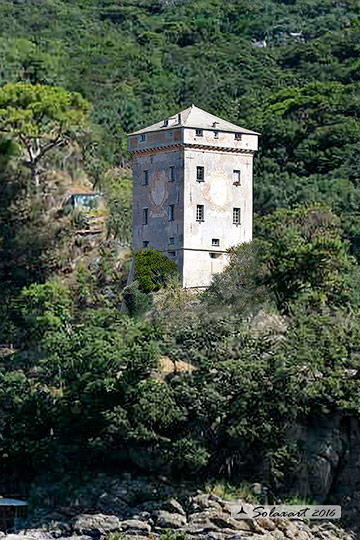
pixel 158 149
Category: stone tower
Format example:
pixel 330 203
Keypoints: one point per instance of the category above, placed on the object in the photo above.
pixel 193 190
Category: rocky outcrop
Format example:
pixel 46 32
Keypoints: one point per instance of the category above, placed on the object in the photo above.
pixel 329 471
pixel 197 517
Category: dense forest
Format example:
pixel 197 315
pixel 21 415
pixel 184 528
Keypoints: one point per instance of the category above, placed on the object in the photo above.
pixel 276 338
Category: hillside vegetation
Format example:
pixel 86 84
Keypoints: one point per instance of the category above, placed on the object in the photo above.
pixel 275 340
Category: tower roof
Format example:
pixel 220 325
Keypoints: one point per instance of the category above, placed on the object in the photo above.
pixel 193 117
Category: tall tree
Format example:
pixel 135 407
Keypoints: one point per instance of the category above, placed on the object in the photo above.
pixel 40 118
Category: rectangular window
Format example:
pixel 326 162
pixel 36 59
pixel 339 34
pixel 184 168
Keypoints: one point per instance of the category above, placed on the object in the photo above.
pixel 236 216
pixel 171 212
pixel 199 132
pixel 237 177
pixel 146 178
pixel 200 212
pixel 216 134
pixel 172 253
pixel 238 136
pixel 200 174
pixel 171 174
pixel 145 243
pixel 145 216
pixel 215 242
pixel 171 240
pixel 142 138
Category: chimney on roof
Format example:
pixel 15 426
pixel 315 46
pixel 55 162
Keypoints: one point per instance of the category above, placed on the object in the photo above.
pixel 179 118
pixel 166 122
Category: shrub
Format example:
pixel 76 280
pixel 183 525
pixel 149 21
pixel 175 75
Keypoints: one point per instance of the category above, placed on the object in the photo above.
pixel 136 301
pixel 153 270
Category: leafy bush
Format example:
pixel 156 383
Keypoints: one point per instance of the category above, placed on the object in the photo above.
pixel 46 308
pixel 136 301
pixel 153 270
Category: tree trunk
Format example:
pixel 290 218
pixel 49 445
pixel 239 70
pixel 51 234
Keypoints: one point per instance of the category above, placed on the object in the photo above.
pixel 35 178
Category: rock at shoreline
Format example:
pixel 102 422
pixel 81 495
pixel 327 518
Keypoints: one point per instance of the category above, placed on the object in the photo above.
pixel 95 525
pixel 168 520
pixel 155 511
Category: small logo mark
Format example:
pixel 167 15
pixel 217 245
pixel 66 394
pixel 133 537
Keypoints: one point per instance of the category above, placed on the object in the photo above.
pixel 241 514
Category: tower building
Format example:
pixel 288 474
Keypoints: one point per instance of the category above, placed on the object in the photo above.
pixel 193 177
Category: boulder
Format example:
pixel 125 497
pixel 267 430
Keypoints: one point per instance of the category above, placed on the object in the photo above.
pixel 226 522
pixel 17 537
pixel 35 534
pixel 173 506
pixel 95 525
pixel 266 523
pixel 168 520
pixel 136 527
pixel 204 501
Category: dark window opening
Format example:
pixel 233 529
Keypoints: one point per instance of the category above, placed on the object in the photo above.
pixel 200 174
pixel 237 177
pixel 200 212
pixel 236 216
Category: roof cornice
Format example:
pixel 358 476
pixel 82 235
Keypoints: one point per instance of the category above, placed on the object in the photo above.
pixel 202 147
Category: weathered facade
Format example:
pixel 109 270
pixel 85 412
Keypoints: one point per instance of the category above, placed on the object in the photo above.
pixel 193 191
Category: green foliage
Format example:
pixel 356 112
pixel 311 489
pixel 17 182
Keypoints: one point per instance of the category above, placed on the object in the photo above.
pixel 40 118
pixel 305 257
pixel 119 188
pixel 241 285
pixel 46 308
pixel 136 301
pixel 153 270
pixel 298 255
pixel 83 375
pixel 173 535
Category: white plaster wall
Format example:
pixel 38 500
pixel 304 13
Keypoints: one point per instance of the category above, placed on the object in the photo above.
pixel 199 268
pixel 179 135
pixel 248 142
pixel 156 139
pixel 219 196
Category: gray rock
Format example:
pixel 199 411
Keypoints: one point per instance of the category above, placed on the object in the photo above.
pixel 204 501
pixel 172 505
pixel 95 525
pixel 230 525
pixel 36 534
pixel 17 537
pixel 201 522
pixel 168 520
pixel 266 524
pixel 142 516
pixel 136 527
pixel 78 537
